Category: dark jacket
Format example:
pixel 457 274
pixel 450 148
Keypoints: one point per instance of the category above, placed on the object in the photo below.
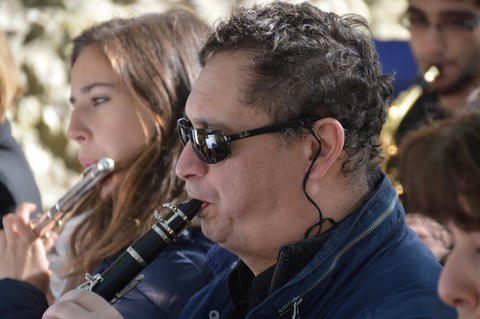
pixel 371 265
pixel 17 184
pixel 178 272
pixel 422 113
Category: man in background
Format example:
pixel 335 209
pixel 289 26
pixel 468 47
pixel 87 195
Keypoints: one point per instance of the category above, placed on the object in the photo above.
pixel 446 34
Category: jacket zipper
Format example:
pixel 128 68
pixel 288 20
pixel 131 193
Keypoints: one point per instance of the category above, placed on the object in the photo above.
pixel 297 300
pixel 296 310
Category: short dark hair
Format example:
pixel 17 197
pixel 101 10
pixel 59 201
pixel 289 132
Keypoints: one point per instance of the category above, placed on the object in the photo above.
pixel 440 170
pixel 307 62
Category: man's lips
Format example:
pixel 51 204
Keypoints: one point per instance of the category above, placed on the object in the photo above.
pixel 202 209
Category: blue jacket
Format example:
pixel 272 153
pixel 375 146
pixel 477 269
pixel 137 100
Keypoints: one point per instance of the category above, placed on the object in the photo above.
pixel 178 272
pixel 371 266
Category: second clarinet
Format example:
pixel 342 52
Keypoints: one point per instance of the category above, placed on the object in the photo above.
pixel 119 278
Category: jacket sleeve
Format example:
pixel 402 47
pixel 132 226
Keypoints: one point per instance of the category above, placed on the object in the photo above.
pixel 21 300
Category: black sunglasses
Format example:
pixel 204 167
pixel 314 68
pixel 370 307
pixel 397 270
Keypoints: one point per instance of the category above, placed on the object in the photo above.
pixel 212 146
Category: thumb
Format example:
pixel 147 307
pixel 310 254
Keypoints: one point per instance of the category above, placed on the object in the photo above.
pixel 24 211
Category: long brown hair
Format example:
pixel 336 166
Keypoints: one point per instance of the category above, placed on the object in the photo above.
pixel 156 57
pixel 440 170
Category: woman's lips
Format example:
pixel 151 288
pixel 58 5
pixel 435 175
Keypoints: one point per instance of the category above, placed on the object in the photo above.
pixel 87 162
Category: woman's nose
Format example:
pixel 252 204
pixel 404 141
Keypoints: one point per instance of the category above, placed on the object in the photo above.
pixel 77 130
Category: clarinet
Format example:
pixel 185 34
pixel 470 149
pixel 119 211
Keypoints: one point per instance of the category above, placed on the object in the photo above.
pixel 44 222
pixel 118 279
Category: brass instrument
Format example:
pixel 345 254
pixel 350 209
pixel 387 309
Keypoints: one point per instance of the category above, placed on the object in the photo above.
pixel 396 112
pixel 43 223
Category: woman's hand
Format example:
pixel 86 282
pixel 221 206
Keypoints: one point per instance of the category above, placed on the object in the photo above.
pixel 22 253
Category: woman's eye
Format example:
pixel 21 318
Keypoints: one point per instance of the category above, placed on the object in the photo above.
pixel 99 100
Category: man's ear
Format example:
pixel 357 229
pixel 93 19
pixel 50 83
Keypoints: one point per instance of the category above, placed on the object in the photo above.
pixel 332 137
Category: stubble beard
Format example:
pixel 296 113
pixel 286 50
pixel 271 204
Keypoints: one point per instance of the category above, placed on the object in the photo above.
pixel 463 82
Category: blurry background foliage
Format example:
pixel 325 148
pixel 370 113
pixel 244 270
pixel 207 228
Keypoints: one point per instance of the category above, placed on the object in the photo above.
pixel 40 32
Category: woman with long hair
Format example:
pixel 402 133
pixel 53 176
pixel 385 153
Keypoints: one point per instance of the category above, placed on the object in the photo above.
pixel 130 79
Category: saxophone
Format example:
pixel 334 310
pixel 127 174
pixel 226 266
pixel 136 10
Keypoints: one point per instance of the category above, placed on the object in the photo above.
pixel 122 275
pixel 43 223
pixel 397 111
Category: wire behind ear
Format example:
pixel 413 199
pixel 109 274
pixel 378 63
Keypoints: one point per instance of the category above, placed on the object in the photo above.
pixel 305 179
pixel 315 136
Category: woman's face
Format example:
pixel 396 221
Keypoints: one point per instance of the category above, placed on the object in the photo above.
pixel 106 120
pixel 459 284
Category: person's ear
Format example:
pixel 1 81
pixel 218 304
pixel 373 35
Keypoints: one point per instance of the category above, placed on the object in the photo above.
pixel 332 137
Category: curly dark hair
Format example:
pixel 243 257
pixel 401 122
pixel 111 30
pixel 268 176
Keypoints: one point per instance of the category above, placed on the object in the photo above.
pixel 307 62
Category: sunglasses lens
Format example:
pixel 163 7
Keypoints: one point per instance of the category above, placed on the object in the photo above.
pixel 210 146
pixel 183 135
pixel 184 131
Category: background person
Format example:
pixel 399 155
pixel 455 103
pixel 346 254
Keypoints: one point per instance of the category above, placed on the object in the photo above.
pixel 17 183
pixel 295 99
pixel 444 33
pixel 129 82
pixel 444 184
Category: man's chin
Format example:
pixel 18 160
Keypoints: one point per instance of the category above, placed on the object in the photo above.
pixel 443 88
pixel 212 234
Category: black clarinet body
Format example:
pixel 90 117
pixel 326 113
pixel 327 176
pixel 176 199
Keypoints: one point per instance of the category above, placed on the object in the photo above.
pixel 119 278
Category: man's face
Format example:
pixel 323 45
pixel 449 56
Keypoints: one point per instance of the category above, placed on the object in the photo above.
pixel 254 201
pixel 437 37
